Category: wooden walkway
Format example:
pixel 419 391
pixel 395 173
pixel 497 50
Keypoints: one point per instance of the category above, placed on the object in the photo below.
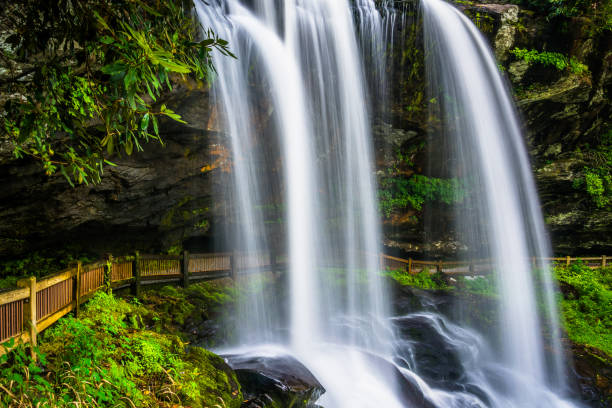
pixel 37 304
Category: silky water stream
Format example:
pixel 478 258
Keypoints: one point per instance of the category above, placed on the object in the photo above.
pixel 298 84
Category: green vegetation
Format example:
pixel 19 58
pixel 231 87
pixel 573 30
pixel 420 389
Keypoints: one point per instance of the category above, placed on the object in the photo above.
pixel 108 357
pixel 84 77
pixel 39 264
pixel 422 280
pixel 402 193
pixel 587 305
pixel 400 189
pixel 596 179
pixel 599 12
pixel 484 21
pixel 481 285
pixel 176 306
pixel 586 302
pixel 555 59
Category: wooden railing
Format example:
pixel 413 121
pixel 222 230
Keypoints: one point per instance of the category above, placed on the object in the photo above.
pixel 476 266
pixel 37 304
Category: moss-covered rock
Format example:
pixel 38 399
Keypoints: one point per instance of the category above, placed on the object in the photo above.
pixel 193 313
pixel 216 381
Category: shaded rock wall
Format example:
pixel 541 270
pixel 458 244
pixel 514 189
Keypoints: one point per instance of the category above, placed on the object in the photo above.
pixel 151 200
pixel 562 111
pixel 162 197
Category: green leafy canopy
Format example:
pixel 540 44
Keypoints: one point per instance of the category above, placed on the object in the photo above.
pixel 84 77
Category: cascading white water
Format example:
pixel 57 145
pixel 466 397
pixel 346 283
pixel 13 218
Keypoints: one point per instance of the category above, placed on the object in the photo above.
pixel 477 115
pixel 298 65
pixel 307 54
pixel 258 320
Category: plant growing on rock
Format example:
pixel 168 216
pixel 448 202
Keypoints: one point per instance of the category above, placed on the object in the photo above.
pixel 84 78
pixel 596 179
pixel 555 59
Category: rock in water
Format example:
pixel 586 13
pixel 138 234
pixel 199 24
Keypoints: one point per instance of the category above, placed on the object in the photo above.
pixel 279 381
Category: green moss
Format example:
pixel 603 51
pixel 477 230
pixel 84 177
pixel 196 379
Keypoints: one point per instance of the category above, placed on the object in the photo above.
pixel 216 381
pixel 587 305
pixel 482 20
pixel 108 358
pixel 176 306
pixel 421 280
pixel 398 192
pixel 479 285
pixel 168 220
pixel 596 179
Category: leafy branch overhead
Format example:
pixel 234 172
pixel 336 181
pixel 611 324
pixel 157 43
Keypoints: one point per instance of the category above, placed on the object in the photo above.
pixel 84 77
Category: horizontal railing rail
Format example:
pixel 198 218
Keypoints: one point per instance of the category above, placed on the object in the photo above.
pixel 37 304
pixel 477 266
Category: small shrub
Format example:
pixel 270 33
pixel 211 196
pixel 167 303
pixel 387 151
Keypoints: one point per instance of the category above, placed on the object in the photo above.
pixel 555 59
pixel 422 280
pixel 596 180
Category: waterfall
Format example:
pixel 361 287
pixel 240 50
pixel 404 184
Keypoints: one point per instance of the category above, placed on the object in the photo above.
pixel 480 123
pixel 306 54
pixel 295 112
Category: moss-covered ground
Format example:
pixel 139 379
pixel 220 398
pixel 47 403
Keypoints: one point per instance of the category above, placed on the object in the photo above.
pixel 587 306
pixel 122 353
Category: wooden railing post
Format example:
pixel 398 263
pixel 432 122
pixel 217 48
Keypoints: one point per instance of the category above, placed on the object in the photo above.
pixel 381 262
pixel 603 261
pixel 77 288
pixel 185 268
pixel 273 263
pixel 136 271
pixel 410 266
pixel 29 313
pixel 233 265
pixel 471 267
pixel 568 261
pixel 439 267
pixel 108 273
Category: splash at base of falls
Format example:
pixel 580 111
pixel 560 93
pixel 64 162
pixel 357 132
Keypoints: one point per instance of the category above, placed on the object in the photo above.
pixel 436 364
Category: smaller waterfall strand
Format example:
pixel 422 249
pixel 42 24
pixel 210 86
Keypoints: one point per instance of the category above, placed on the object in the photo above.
pixel 477 114
pixel 258 319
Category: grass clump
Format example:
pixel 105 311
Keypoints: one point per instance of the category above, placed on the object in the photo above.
pixel 480 285
pixel 108 358
pixel 587 305
pixel 421 280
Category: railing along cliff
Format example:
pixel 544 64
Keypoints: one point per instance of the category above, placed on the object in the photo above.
pixel 37 304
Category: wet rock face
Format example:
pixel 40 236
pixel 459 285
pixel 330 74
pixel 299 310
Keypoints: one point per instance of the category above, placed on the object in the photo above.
pixel 279 381
pixel 562 112
pixel 151 200
pixel 594 375
pixel 160 197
